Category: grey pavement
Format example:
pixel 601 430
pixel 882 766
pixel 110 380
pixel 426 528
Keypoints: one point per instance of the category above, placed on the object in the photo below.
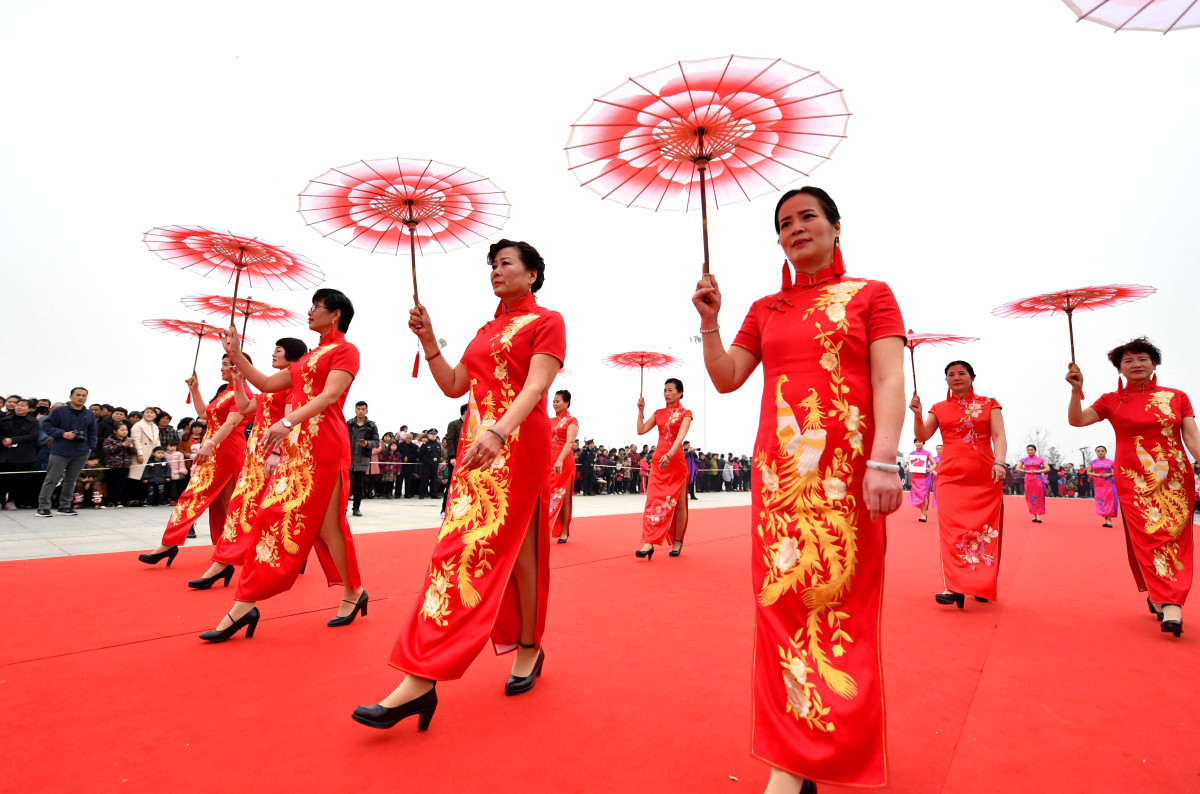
pixel 24 536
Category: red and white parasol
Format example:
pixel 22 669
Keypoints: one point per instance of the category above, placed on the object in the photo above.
pixel 641 360
pixel 233 257
pixel 200 330
pixel 916 340
pixel 1069 301
pixel 1159 16
pixel 261 312
pixel 740 127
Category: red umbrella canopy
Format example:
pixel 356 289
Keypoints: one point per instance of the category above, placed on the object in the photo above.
pixel 256 310
pixel 641 359
pixel 754 124
pixel 1161 16
pixel 375 204
pixel 191 328
pixel 233 257
pixel 936 339
pixel 1068 301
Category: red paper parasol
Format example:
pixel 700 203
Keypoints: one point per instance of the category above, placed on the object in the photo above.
pixel 200 330
pixel 915 340
pixel 740 126
pixel 642 360
pixel 374 204
pixel 261 312
pixel 1160 16
pixel 1071 300
pixel 233 257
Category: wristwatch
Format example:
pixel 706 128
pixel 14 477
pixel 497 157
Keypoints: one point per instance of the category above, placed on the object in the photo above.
pixel 286 423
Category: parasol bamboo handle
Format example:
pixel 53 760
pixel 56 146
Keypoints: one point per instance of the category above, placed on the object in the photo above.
pixel 412 257
pixel 702 165
pixel 195 361
pixel 642 382
pixel 245 321
pixel 1071 329
pixel 233 303
pixel 912 358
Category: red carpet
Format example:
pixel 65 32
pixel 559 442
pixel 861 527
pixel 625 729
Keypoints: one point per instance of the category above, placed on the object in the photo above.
pixel 1065 685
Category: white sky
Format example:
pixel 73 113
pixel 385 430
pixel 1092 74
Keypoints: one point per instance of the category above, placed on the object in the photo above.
pixel 996 150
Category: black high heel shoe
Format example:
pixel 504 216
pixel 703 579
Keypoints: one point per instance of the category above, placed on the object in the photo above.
pixel 517 686
pixel 951 598
pixel 249 620
pixel 383 717
pixel 676 552
pixel 360 604
pixel 563 540
pixel 981 600
pixel 1153 611
pixel 1171 626
pixel 155 558
pixel 649 554
pixel 808 787
pixel 205 582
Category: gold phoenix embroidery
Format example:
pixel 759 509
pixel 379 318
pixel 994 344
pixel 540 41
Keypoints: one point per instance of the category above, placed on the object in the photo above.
pixel 203 475
pixel 1159 491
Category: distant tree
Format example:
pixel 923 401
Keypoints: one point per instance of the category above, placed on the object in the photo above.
pixel 1040 438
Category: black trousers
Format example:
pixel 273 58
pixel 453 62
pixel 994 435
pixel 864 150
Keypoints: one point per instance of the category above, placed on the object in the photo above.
pixel 17 486
pixel 431 486
pixel 358 484
pixel 449 476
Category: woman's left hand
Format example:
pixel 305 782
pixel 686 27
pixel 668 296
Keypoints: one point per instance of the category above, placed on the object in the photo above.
pixel 883 492
pixel 205 452
pixel 998 472
pixel 483 452
pixel 664 461
pixel 274 436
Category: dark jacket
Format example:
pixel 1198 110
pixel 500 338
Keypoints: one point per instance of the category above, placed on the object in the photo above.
pixel 360 457
pixel 453 431
pixel 63 419
pixel 410 454
pixel 431 453
pixel 157 471
pixel 23 430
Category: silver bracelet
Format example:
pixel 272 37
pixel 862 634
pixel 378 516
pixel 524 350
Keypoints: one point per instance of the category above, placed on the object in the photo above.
pixel 877 466
pixel 712 330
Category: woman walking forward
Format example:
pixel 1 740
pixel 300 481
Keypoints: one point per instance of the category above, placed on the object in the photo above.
pixel 214 468
pixel 824 477
pixel 306 503
pixel 1034 469
pixel 970 485
pixel 490 572
pixel 1155 483
pixel 665 517
pixel 560 483
pixel 1100 469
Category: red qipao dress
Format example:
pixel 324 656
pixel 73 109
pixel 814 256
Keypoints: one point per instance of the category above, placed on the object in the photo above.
pixel 971 510
pixel 816 556
pixel 235 538
pixel 1155 485
pixel 469 592
pixel 314 460
pixel 560 485
pixel 668 486
pixel 209 478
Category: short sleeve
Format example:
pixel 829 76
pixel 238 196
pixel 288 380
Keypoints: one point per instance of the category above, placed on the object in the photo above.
pixel 996 406
pixel 573 421
pixel 550 337
pixel 883 314
pixel 688 414
pixel 1104 406
pixel 345 358
pixel 749 336
pixel 1185 406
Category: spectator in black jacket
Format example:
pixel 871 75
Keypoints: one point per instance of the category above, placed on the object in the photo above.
pixel 73 429
pixel 410 460
pixel 364 437
pixel 431 457
pixel 18 455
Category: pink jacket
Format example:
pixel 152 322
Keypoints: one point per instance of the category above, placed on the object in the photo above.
pixel 178 467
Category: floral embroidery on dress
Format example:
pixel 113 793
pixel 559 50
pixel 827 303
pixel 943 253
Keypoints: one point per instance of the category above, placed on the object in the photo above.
pixel 436 604
pixel 660 511
pixel 971 409
pixel 204 474
pixel 974 548
pixel 556 498
pixel 1166 561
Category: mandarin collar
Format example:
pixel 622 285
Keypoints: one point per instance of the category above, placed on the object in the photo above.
pixel 334 335
pixel 520 304
pixel 835 269
pixel 1127 387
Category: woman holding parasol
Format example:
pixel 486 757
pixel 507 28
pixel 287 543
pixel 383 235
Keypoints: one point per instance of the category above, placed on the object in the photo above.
pixel 824 477
pixel 489 575
pixel 1155 484
pixel 306 504
pixel 214 468
pixel 235 540
pixel 665 516
pixel 560 482
pixel 970 485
